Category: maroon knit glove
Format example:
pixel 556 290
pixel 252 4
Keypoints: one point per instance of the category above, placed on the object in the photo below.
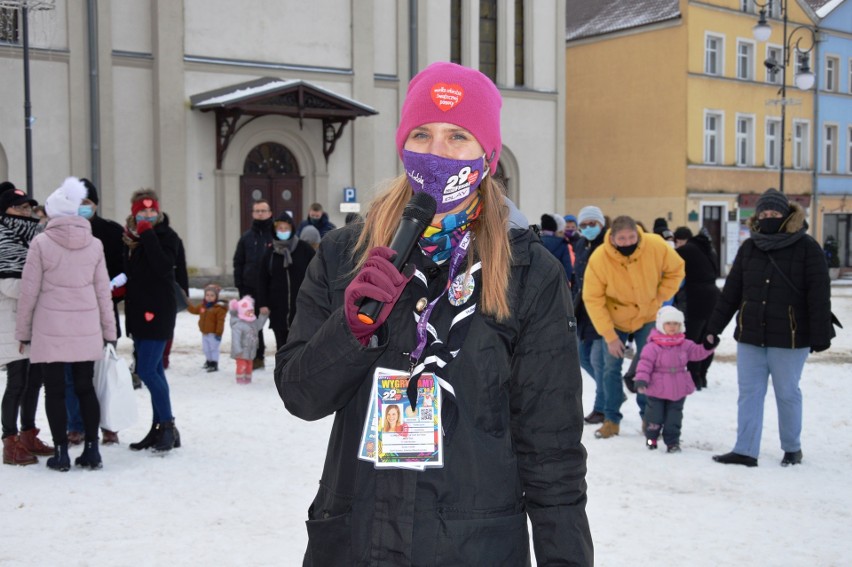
pixel 142 226
pixel 379 280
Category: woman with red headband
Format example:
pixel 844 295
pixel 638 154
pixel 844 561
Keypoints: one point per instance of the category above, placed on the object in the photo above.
pixel 150 309
pixel 475 340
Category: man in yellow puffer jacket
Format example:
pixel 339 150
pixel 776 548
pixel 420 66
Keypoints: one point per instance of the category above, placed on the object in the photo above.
pixel 627 280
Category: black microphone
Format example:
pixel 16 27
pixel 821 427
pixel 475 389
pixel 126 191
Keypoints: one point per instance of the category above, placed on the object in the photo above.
pixel 416 217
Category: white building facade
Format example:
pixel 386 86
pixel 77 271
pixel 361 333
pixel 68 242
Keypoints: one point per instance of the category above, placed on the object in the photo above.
pixel 115 88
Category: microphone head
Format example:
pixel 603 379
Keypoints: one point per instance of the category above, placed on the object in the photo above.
pixel 421 208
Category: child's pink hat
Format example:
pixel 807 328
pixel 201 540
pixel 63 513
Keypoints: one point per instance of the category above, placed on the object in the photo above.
pixel 446 92
pixel 242 306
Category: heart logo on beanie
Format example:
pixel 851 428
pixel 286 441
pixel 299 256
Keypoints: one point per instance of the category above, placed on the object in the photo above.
pixel 445 96
pixel 149 316
pixel 148 203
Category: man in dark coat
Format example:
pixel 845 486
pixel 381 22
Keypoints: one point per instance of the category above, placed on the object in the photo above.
pixel 250 250
pixel 699 293
pixel 317 218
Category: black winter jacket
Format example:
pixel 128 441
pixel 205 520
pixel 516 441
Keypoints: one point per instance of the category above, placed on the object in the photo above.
pixel 323 225
pixel 769 312
pixel 149 304
pixel 699 293
pixel 583 249
pixel 278 286
pixel 514 453
pixel 252 246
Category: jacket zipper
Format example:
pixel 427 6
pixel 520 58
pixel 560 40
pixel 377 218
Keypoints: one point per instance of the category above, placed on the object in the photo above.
pixel 740 318
pixel 792 318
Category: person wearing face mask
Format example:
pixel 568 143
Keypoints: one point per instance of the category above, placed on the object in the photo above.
pixel 780 291
pixel 482 309
pixel 110 234
pixel 152 249
pixel 592 224
pixel 555 245
pixel 280 276
pixel 318 219
pixel 65 315
pixel 627 280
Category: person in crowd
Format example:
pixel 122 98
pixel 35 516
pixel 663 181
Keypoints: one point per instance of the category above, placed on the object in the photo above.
pixel 661 228
pixel 280 276
pixel 244 327
pixel 17 229
pixel 353 217
pixel 627 280
pixel 150 309
pixel 211 322
pixel 317 218
pixel 109 233
pixel 555 244
pixel 571 234
pixel 697 297
pixel 65 314
pixel 481 307
pixel 592 226
pixel 662 376
pixel 780 291
pixel 251 249
pixel 311 236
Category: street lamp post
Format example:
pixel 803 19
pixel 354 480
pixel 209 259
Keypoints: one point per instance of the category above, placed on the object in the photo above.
pixel 804 77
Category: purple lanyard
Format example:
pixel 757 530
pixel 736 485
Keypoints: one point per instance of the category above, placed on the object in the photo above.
pixel 456 259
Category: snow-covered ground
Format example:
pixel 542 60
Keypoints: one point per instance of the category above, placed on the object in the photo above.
pixel 237 492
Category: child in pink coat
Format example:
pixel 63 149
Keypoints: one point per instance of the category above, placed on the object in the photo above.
pixel 662 376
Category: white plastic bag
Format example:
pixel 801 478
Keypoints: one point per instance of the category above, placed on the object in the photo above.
pixel 114 388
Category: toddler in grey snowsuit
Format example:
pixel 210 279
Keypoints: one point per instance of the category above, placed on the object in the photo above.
pixel 245 326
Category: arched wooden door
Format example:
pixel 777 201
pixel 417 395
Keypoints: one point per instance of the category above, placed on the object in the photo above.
pixel 270 172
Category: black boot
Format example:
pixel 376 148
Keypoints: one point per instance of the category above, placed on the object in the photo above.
pixel 149 441
pixel 60 460
pixel 177 438
pixel 91 457
pixel 166 441
pixel 735 459
pixel 213 366
pixel 792 458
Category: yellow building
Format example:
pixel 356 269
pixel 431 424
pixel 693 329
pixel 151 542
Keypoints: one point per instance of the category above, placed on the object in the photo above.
pixel 672 113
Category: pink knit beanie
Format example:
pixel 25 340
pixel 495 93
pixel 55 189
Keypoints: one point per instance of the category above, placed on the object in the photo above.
pixel 446 92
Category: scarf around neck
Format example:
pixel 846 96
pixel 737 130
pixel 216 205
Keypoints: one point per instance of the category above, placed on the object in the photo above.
pixel 438 242
pixel 767 242
pixel 16 233
pixel 284 248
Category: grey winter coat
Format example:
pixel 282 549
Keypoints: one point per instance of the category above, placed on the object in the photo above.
pixel 244 336
pixel 514 451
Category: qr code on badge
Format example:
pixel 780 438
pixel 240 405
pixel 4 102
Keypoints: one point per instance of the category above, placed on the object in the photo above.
pixel 425 414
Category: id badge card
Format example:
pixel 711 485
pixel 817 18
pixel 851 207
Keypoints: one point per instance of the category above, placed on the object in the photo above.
pixel 407 437
pixel 368 449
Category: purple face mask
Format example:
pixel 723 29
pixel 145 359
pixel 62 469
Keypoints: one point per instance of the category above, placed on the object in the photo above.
pixel 449 181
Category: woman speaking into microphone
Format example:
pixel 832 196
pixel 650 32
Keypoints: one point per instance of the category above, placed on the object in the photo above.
pixel 474 344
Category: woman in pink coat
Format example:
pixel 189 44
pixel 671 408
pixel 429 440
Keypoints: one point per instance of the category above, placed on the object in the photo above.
pixel 65 315
pixel 662 376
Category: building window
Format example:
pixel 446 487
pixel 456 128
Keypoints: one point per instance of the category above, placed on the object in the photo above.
pixel 773 8
pixel 745 60
pixel 519 42
pixel 773 143
pixel 774 53
pixel 801 143
pixel 745 140
pixel 713 138
pixel 713 53
pixel 455 32
pixel 849 151
pixel 9 25
pixel 747 6
pixel 488 38
pixel 829 147
pixel 831 67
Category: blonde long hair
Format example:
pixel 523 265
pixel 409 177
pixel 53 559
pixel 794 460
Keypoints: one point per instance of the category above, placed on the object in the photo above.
pixel 491 242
